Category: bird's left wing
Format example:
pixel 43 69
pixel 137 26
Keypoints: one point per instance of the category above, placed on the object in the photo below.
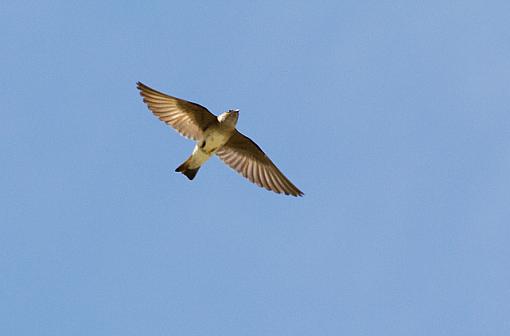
pixel 247 158
pixel 187 118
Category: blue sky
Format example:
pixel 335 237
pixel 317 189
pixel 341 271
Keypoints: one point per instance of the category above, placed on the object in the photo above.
pixel 391 116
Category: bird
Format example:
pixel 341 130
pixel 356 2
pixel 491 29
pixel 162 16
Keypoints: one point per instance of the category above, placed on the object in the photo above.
pixel 216 135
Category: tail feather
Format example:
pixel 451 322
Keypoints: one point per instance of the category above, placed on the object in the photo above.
pixel 188 172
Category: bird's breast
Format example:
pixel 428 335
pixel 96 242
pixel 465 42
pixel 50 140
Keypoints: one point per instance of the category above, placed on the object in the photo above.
pixel 214 138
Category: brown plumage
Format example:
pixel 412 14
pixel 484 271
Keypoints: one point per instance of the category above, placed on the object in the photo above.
pixel 216 135
pixel 186 117
pixel 248 159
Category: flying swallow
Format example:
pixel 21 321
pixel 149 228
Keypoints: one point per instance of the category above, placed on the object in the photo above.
pixel 216 135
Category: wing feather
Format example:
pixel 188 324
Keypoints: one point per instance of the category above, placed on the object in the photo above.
pixel 247 158
pixel 189 119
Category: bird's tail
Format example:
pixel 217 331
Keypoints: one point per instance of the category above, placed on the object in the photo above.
pixel 186 170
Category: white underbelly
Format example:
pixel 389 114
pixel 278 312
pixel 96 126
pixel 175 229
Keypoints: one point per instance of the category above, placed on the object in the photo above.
pixel 214 141
pixel 198 157
pixel 206 148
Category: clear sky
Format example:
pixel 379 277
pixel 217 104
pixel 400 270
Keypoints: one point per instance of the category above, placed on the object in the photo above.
pixel 392 116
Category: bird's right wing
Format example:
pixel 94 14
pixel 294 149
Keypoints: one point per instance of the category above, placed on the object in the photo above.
pixel 187 118
pixel 246 157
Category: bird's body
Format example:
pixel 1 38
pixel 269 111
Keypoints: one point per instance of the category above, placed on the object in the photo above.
pixel 216 135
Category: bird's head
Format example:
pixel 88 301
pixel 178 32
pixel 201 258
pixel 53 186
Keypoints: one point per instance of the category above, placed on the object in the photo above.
pixel 229 118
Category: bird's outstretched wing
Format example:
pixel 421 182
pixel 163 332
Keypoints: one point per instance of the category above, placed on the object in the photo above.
pixel 187 118
pixel 246 157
